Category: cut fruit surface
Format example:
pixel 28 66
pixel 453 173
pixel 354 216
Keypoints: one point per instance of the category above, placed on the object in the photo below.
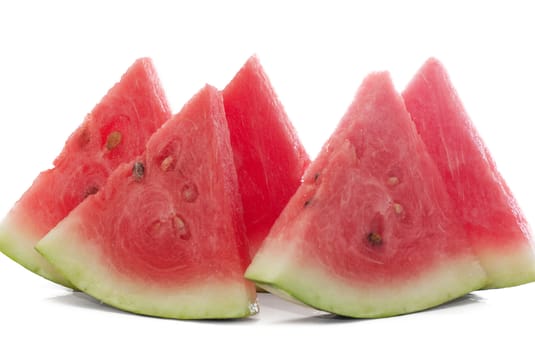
pixel 371 232
pixel 114 132
pixel 495 224
pixel 270 159
pixel 165 234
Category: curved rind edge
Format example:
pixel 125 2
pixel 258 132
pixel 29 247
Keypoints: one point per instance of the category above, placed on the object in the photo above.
pixel 314 287
pixel 79 262
pixel 15 245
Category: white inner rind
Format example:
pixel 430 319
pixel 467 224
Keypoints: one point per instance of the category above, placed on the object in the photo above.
pixel 85 265
pixel 310 283
pixel 17 242
pixel 507 267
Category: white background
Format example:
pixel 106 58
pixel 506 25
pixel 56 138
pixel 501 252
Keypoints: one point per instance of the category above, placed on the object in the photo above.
pixel 58 59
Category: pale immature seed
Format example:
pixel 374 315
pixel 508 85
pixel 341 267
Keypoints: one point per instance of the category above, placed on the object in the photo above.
pixel 113 140
pixel 190 192
pixel 166 163
pixel 393 180
pixel 181 227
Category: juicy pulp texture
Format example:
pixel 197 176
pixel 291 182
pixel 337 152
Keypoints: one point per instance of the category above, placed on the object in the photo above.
pixel 269 157
pixel 165 235
pixel 115 131
pixel 371 230
pixel 492 218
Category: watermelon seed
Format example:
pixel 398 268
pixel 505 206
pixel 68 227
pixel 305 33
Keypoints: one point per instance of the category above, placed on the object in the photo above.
pixel 392 181
pixel 190 192
pixel 374 239
pixel 90 190
pixel 83 137
pixel 155 228
pixel 398 208
pixel 114 138
pixel 316 177
pixel 138 171
pixel 166 163
pixel 307 203
pixel 181 227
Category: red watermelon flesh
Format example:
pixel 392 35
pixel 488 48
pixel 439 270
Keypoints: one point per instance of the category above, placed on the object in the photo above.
pixel 371 231
pixel 498 230
pixel 270 159
pixel 114 132
pixel 165 235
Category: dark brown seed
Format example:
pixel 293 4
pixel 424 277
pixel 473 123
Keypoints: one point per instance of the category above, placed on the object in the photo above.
pixel 83 136
pixel 374 239
pixel 138 171
pixel 90 190
pixel 307 203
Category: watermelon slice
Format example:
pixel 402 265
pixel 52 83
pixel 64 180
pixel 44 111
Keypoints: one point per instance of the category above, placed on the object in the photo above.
pixel 498 230
pixel 270 159
pixel 165 235
pixel 114 132
pixel 371 231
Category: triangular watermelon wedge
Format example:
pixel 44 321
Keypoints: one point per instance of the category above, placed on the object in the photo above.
pixel 492 218
pixel 115 131
pixel 165 235
pixel 371 232
pixel 269 157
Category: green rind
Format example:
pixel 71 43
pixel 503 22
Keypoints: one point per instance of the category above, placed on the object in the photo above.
pixel 311 284
pixel 86 267
pixel 15 242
